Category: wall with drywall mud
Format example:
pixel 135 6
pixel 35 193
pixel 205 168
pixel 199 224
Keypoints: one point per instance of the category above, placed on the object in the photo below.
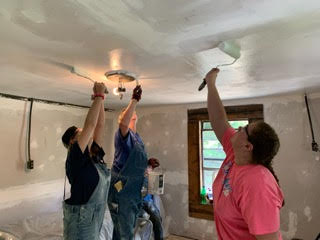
pixel 28 192
pixel 164 131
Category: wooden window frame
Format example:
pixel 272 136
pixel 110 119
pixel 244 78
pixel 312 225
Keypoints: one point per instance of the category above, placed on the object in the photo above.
pixel 253 112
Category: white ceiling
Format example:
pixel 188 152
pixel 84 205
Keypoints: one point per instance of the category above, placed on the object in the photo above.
pixel 169 44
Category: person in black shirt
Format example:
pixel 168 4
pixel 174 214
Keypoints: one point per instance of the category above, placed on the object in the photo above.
pixel 87 173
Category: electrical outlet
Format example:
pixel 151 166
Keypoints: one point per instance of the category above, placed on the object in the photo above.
pixel 30 164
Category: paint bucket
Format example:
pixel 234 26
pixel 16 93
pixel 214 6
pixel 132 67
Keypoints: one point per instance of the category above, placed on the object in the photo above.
pixel 156 182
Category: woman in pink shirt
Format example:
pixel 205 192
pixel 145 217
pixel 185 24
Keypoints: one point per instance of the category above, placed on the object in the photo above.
pixel 246 192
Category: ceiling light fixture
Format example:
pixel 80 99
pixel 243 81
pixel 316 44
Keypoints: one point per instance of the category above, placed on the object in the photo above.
pixel 121 77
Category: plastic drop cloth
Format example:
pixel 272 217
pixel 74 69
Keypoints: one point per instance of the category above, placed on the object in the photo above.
pixel 48 227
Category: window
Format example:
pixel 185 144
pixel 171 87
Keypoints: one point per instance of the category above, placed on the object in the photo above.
pixel 205 153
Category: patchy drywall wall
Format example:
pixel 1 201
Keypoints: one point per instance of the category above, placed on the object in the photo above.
pixel 26 192
pixel 297 166
pixel 164 131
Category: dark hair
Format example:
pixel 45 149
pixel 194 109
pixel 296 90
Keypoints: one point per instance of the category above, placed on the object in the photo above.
pixel 266 144
pixel 68 135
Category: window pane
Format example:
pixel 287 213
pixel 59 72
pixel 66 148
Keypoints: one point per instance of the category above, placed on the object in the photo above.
pixel 213 154
pixel 212 148
pixel 206 125
pixel 208 135
pixel 237 124
pixel 208 163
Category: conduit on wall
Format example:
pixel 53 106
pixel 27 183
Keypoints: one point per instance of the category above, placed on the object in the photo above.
pixel 314 144
pixel 47 101
pixel 30 162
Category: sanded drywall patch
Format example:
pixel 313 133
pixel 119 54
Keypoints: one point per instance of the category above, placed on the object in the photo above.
pixel 164 131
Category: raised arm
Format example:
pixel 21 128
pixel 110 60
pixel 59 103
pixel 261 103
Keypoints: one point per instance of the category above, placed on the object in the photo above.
pixel 217 114
pixel 126 117
pixel 98 134
pixel 92 116
pixel 129 111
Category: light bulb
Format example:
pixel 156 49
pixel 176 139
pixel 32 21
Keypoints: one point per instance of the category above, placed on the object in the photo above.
pixel 115 91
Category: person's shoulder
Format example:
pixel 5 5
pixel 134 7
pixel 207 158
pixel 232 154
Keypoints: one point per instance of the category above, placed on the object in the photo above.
pixel 131 132
pixel 132 135
pixel 74 149
pixel 256 175
pixel 262 172
pixel 226 137
pixel 257 180
pixel 135 134
pixel 118 134
pixel 229 131
pixel 75 155
pixel 255 170
pixel 97 150
pixel 121 142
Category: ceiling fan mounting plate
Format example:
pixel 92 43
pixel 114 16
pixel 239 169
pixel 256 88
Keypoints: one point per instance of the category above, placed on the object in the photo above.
pixel 120 76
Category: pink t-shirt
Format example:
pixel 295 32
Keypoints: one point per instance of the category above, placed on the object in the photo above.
pixel 247 199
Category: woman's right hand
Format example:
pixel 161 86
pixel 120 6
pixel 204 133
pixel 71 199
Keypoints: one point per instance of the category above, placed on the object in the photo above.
pixel 212 76
pixel 99 88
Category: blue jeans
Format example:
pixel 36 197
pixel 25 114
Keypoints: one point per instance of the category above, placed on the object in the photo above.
pixel 125 200
pixel 155 218
pixel 84 222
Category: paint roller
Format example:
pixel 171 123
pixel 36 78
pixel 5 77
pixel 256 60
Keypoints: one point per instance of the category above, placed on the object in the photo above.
pixel 75 70
pixel 80 73
pixel 229 48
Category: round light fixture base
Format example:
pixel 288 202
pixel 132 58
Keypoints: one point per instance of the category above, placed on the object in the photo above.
pixel 120 76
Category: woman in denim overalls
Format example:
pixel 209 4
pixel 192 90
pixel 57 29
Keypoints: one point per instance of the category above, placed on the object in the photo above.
pixel 125 200
pixel 87 173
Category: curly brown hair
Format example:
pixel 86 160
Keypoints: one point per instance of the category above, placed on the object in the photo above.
pixel 266 145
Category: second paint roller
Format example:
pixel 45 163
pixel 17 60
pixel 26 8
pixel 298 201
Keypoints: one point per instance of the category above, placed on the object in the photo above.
pixel 229 48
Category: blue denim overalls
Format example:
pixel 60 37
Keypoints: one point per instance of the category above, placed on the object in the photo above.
pixel 125 199
pixel 83 222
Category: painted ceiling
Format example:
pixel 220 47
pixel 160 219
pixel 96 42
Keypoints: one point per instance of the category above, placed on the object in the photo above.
pixel 169 45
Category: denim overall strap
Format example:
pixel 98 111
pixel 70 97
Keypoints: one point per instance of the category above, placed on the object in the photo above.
pixel 125 201
pixel 83 222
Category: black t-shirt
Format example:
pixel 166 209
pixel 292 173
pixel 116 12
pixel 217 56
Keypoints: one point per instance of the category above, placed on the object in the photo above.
pixel 81 172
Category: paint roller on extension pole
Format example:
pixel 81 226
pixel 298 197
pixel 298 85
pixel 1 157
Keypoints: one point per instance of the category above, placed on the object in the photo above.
pixel 228 48
pixel 82 74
